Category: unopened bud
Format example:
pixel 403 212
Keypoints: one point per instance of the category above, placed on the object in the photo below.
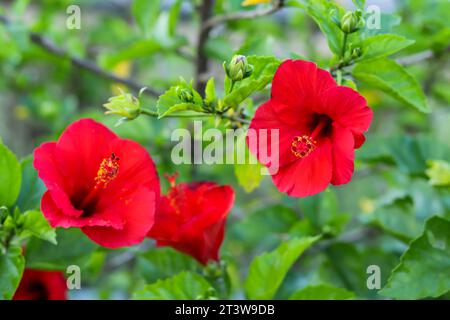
pixel 356 53
pixel 238 68
pixel 124 105
pixel 185 94
pixel 351 21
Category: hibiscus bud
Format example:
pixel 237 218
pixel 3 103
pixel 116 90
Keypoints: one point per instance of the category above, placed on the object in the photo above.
pixel 185 94
pixel 3 214
pixel 356 53
pixel 124 105
pixel 351 22
pixel 238 68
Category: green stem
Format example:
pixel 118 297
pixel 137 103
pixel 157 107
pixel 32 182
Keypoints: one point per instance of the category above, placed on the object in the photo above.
pixel 154 114
pixel 344 46
pixel 339 76
pixel 232 86
pixel 149 112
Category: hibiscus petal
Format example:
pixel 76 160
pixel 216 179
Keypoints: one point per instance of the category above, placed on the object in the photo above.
pixel 139 209
pixel 343 154
pixel 216 203
pixel 204 245
pixel 307 176
pixel 136 169
pixel 80 151
pixel 47 167
pixel 359 139
pixel 41 285
pixel 57 217
pixel 296 88
pixel 260 142
pixel 347 107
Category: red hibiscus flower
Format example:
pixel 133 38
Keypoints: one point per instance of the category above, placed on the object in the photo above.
pixel 41 285
pixel 191 218
pixel 100 183
pixel 320 124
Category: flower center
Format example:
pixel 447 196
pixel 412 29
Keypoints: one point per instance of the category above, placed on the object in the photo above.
pixel 302 146
pixel 108 171
pixel 109 168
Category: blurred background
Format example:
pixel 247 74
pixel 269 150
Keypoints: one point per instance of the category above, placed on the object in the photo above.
pixel 51 76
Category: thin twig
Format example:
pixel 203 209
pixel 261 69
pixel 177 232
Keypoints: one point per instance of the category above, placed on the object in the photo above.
pixel 91 66
pixel 416 58
pixel 355 236
pixel 205 12
pixel 218 20
pixel 155 114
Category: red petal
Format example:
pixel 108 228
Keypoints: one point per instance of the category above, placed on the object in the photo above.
pixel 347 107
pixel 343 154
pixel 137 209
pixel 192 219
pixel 57 217
pixel 136 169
pixel 80 151
pixel 217 203
pixel 259 141
pixel 204 245
pixel 296 88
pixel 41 285
pixel 48 171
pixel 307 176
pixel 359 139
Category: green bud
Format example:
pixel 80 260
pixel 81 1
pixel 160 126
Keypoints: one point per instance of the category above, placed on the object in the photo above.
pixel 124 105
pixel 238 68
pixel 351 22
pixel 185 94
pixel 356 53
pixel 3 214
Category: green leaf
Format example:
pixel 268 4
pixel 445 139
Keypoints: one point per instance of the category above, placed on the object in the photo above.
pixel 210 92
pixel 323 211
pixel 320 11
pixel 387 23
pixel 399 219
pixel 409 153
pixel 263 228
pixel 174 15
pixel 181 107
pixel 392 78
pixel 11 268
pixel 73 247
pixel 264 69
pixel 33 223
pixel 138 49
pixel 439 173
pixel 423 270
pixel 146 13
pixel 10 177
pixel 170 102
pixel 164 263
pixel 183 286
pixel 360 4
pixel 32 187
pixel 268 270
pixel 322 292
pixel 346 265
pixel 382 45
pixel 249 174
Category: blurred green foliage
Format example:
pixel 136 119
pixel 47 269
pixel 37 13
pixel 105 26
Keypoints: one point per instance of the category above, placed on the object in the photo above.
pixel 394 213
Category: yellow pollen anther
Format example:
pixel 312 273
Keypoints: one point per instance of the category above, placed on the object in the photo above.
pixel 302 146
pixel 109 168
